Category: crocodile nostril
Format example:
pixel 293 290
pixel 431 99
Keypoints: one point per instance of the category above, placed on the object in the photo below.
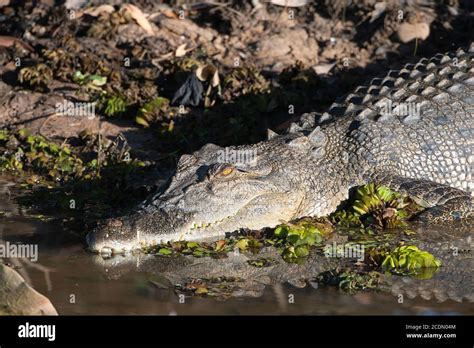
pixel 106 252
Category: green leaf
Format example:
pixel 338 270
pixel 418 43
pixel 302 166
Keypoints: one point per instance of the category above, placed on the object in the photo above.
pixel 409 260
pixel 301 251
pixel 23 133
pixel 3 134
pixel 78 76
pixel 360 207
pixel 201 290
pixel 242 244
pixel 385 193
pixel 165 251
pixel 98 80
pixel 192 245
pixel 281 231
pixel 141 121
pixel 293 238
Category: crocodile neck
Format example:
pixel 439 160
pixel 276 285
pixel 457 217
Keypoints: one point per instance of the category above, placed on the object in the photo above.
pixel 346 165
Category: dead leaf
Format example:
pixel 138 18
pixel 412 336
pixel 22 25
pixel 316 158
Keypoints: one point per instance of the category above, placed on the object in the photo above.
pixel 208 73
pixel 323 69
pixel 379 8
pixel 165 11
pixel 389 213
pixel 181 50
pixel 96 11
pixel 408 32
pixel 139 17
pixel 220 245
pixel 169 13
pixel 215 79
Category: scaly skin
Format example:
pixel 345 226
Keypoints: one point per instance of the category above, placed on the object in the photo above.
pixel 425 151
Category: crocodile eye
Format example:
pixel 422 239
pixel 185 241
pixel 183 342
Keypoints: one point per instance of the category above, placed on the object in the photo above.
pixel 226 171
pixel 221 171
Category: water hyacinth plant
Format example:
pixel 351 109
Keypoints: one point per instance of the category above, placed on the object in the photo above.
pixel 295 239
pixel 376 206
pixel 409 260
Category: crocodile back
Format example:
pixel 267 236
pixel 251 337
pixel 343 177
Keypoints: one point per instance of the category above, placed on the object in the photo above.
pixel 417 122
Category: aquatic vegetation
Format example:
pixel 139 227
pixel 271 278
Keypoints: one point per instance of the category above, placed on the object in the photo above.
pixel 216 249
pixel 409 260
pixel 219 287
pixel 377 207
pixel 262 262
pixel 295 239
pixel 248 244
pixel 351 280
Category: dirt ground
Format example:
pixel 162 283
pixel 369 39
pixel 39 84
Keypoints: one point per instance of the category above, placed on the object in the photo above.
pixel 273 62
pixel 166 77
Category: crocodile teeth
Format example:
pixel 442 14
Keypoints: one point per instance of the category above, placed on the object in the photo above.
pixel 197 226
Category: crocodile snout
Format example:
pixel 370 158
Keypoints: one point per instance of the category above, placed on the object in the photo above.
pixel 113 237
pixel 121 235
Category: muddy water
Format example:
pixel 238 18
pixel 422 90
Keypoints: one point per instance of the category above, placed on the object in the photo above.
pixel 76 283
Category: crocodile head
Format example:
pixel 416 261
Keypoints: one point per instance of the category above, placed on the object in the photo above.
pixel 217 190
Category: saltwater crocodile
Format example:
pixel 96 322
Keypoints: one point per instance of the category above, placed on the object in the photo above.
pixel 411 131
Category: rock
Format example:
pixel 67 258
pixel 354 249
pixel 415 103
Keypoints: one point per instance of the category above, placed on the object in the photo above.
pixel 18 298
pixel 39 114
pixel 287 47
pixel 187 28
